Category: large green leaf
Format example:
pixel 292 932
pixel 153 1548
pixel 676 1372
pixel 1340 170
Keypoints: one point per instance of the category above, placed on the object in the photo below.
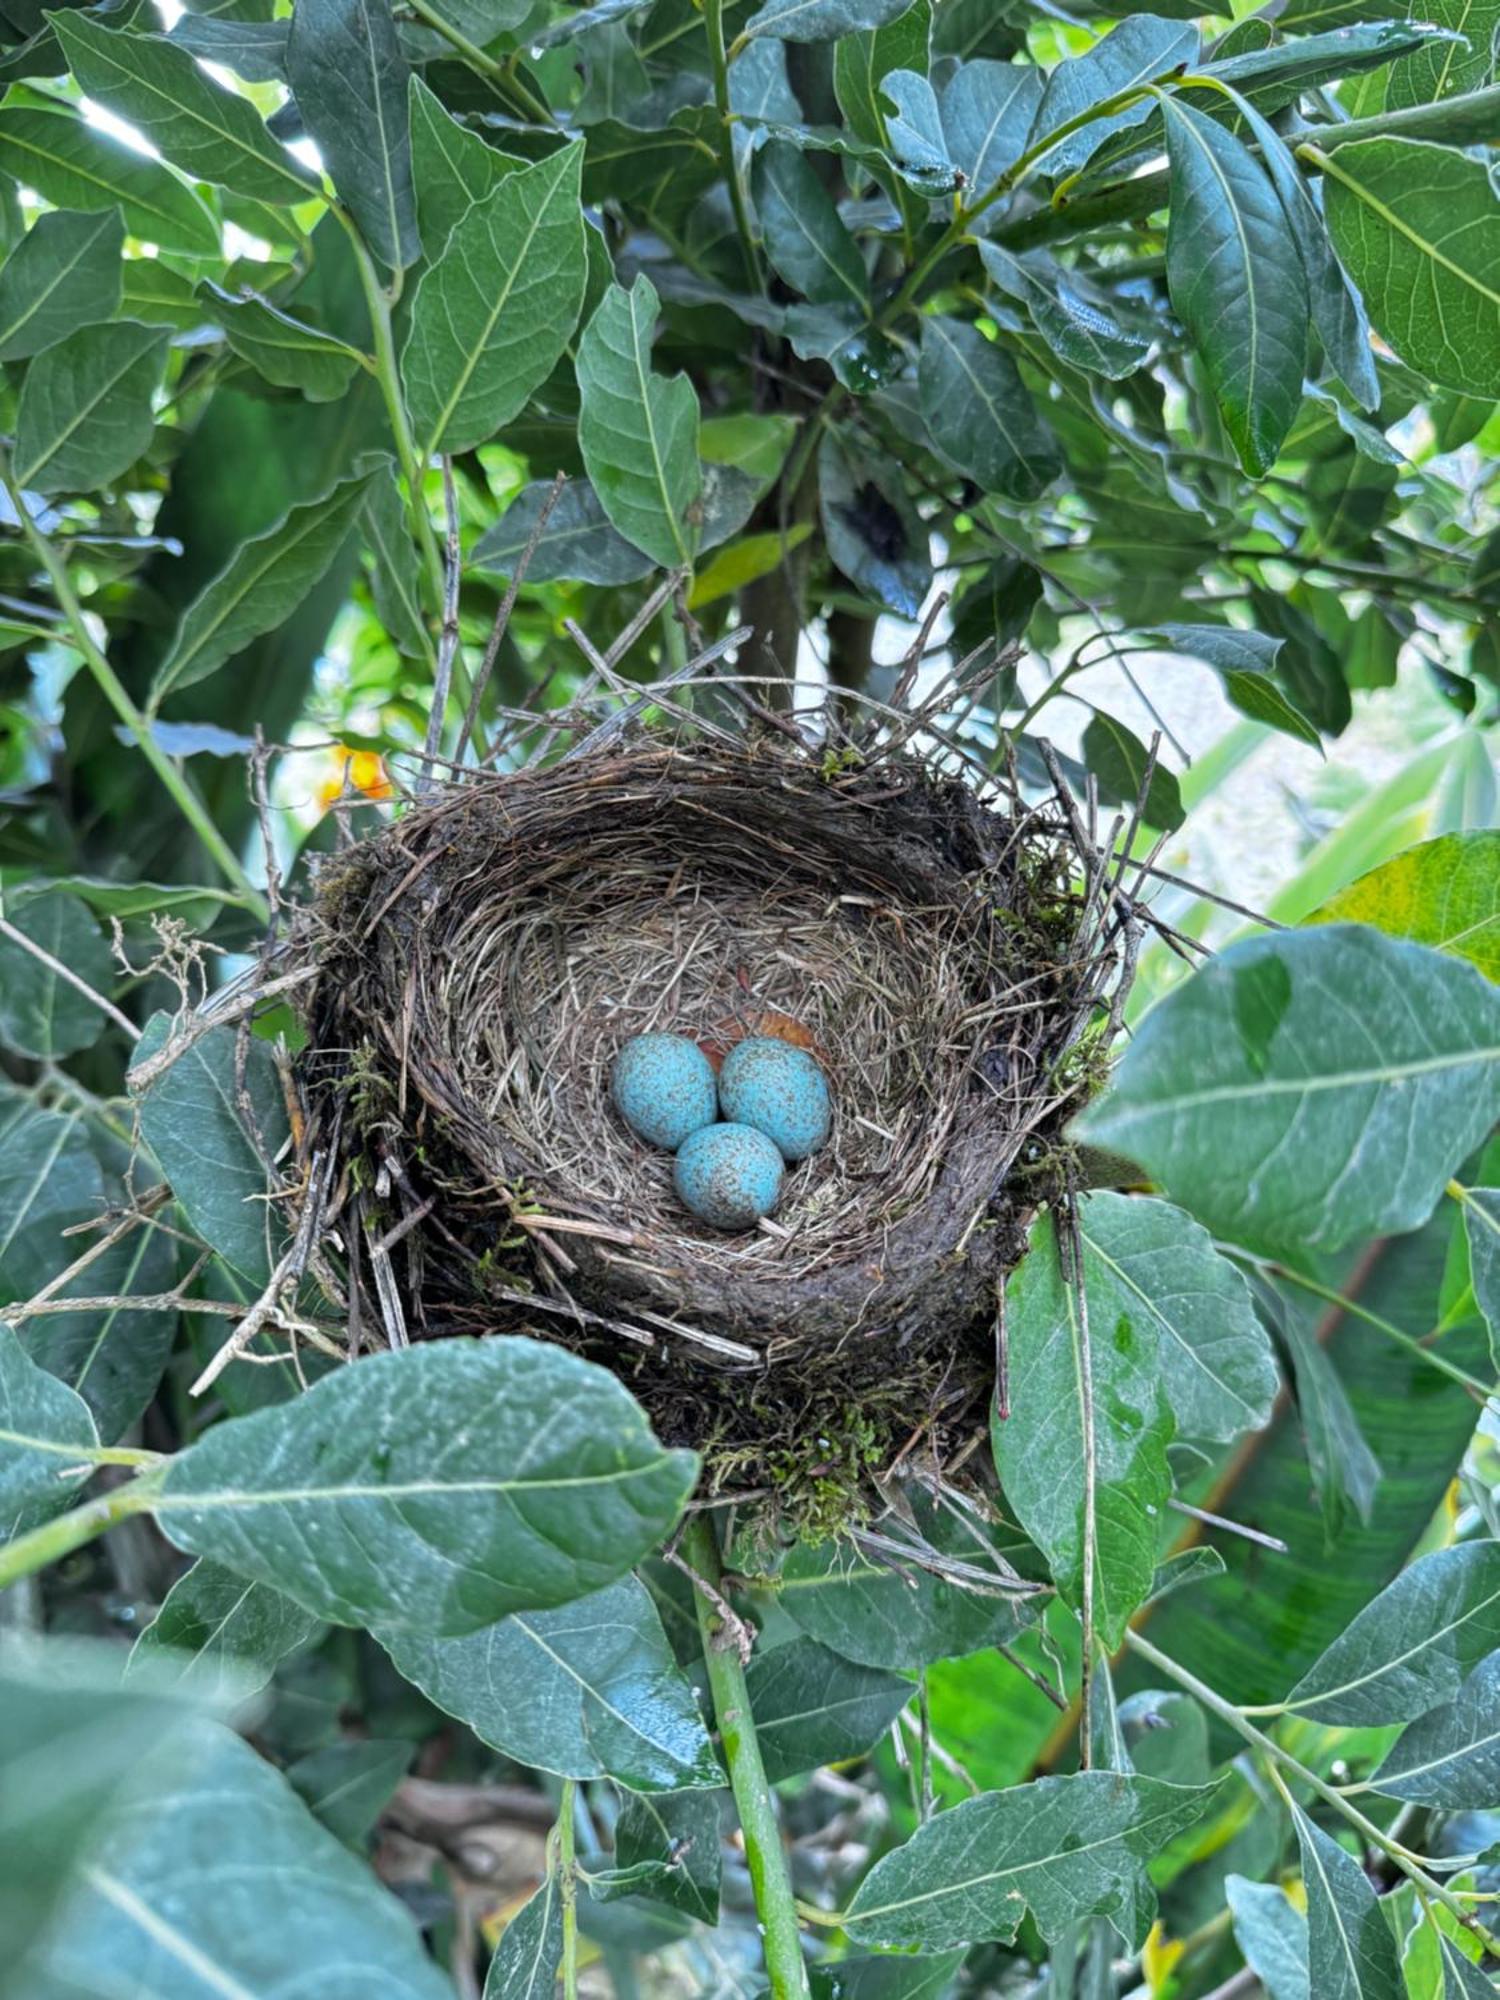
pixel 1450 1757
pixel 285 350
pixel 434 1490
pixel 1413 1646
pixel 639 432
pixel 1249 1090
pixel 988 111
pixel 1351 1953
pixel 1244 661
pixel 863 59
pixel 578 540
pixel 1082 1456
pixel 1236 281
pixel 254 50
pixel 805 238
pixel 875 534
pixel 262 584
pixel 529 1956
pixel 821 20
pixel 1118 760
pixel 396 568
pixel 210 133
pixel 220 1881
pixel 1448 67
pixel 812 1706
pixel 85 413
pixel 494 312
pixel 1075 328
pixel 42 1014
pixel 1344 1469
pixel 1482 1229
pixel 40 1419
pixel 216 1631
pixel 192 1119
pixel 349 77
pixel 1417 227
pixel 1062 1848
pixel 679 1833
pixel 75 166
pixel 1136 52
pixel 451 167
pixel 63 274
pixel 979 413
pixel 587 1691
pixel 1444 893
pixel 1272 1933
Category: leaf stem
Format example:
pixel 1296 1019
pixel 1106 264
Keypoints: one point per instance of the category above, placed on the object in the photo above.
pixel 114 691
pixel 59 1537
pixel 764 1852
pixel 713 23
pixel 567 1875
pixel 500 74
pixel 1485 1391
pixel 1273 1752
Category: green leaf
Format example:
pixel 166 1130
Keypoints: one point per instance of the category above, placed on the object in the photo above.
pixel 822 20
pixel 1142 50
pixel 915 140
pixel 346 1786
pixel 812 1706
pixel 191 1118
pixel 349 78
pixel 396 570
pixel 1062 1848
pixel 451 167
pixel 75 166
pixel 863 59
pixel 1444 893
pixel 254 50
pixel 979 413
pixel 1450 1757
pixel 587 1691
pixel 1308 60
pixel 1417 227
pixel 261 585
pixel 286 351
pixel 1350 1951
pixel 41 1014
pixel 1461 1980
pixel 220 1881
pixel 210 133
pixel 216 1631
pixel 63 274
pixel 1151 1269
pixel 1117 759
pixel 1076 331
pixel 639 432
pixel 1236 281
pixel 1449 65
pixel 156 295
pixel 805 240
pixel 679 1832
pixel 434 1490
pixel 1244 660
pixel 496 310
pixel 874 533
pixel 528 1959
pixel 577 541
pixel 1412 1648
pixel 84 415
pixel 1309 1049
pixel 887 1976
pixel 1272 1933
pixel 988 111
pixel 1082 1456
pixel 750 442
pixel 1482 1229
pixel 40 1419
pixel 1345 1471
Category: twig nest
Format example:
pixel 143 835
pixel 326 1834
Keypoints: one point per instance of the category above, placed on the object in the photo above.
pixel 483 961
pixel 779 1090
pixel 663 1087
pixel 729 1175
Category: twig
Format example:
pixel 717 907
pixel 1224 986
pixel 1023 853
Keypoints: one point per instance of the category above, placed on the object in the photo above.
pixel 448 637
pixel 1233 1527
pixel 502 616
pixel 204 1022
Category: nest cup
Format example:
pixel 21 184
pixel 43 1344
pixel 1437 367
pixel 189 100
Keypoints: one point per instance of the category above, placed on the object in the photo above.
pixel 481 961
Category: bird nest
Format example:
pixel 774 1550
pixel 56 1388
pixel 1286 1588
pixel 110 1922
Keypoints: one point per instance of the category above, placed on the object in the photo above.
pixel 953 954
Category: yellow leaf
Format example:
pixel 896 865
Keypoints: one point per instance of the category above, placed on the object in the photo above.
pixel 1444 893
pixel 743 562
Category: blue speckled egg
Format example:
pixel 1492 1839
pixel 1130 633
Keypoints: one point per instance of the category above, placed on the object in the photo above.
pixel 663 1087
pixel 730 1175
pixel 779 1090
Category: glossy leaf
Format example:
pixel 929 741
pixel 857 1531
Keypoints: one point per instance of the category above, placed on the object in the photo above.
pixel 1412 1648
pixel 805 240
pixel 875 535
pixel 1062 1849
pixel 1450 1757
pixel 1144 49
pixel 262 584
pixel 886 1976
pixel 1417 227
pixel 980 414
pixel 1350 1951
pixel 1272 1933
pixel 349 78
pixel 528 1958
pixel 578 540
pixel 435 1490
pixel 638 431
pixel 41 1014
pixel 1315 1047
pixel 915 140
pixel 285 350
pixel 587 1691
pixel 821 20
pixel 1237 282
pixel 40 1419
pixel 1450 65
pixel 988 110
pixel 217 1632
pixel 1082 1456
pixel 77 167
pixel 679 1833
pixel 212 134
pixel 1444 893
pixel 813 1707
pixel 1075 330
pixel 1244 661
pixel 494 312
pixel 84 414
pixel 63 274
